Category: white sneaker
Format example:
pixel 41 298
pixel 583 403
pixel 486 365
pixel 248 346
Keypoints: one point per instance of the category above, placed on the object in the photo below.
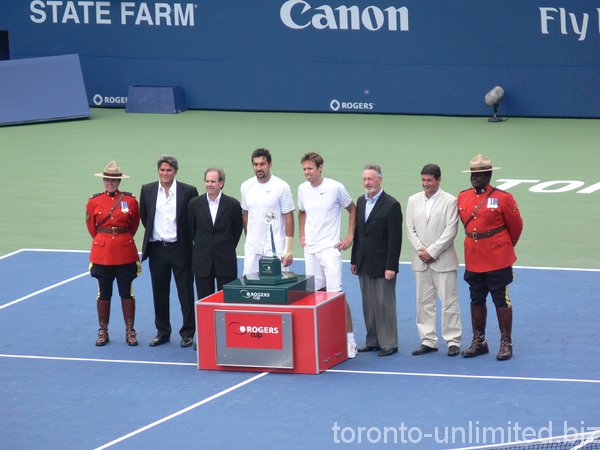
pixel 352 349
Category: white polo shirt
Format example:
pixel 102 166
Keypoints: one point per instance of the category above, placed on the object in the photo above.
pixel 323 206
pixel 257 198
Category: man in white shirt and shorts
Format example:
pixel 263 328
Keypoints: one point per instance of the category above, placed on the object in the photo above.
pixel 262 194
pixel 320 203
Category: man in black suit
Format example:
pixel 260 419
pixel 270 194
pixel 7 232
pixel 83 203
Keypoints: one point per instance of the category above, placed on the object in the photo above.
pixel 215 222
pixel 375 256
pixel 167 244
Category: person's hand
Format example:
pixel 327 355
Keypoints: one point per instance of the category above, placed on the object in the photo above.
pixel 389 274
pixel 425 256
pixel 344 244
pixel 287 260
pixel 353 269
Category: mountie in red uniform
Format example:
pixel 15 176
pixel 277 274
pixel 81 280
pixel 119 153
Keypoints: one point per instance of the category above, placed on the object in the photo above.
pixel 112 220
pixel 493 227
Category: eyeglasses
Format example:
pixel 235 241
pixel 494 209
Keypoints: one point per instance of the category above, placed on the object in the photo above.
pixel 111 180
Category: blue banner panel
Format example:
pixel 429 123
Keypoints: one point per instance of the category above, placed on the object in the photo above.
pixel 42 90
pixel 372 56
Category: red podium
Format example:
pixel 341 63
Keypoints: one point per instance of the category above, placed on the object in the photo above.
pixel 306 336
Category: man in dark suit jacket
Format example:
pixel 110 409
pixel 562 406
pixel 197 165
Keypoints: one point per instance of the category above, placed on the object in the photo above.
pixel 168 245
pixel 215 222
pixel 375 256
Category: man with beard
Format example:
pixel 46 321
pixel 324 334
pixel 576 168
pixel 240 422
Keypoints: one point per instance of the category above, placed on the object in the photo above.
pixel 266 194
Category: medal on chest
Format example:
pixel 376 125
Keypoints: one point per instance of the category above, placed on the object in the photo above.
pixel 492 203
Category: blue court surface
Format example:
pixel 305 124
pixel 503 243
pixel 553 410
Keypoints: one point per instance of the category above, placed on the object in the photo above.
pixel 59 391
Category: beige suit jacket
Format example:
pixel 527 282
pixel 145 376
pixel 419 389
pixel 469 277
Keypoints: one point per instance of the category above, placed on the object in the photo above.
pixel 435 233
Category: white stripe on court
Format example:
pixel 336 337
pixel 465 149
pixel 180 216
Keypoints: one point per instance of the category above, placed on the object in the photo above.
pixel 50 250
pixel 122 361
pixel 574 269
pixel 11 254
pixel 33 294
pixel 356 372
pixel 451 375
pixel 183 411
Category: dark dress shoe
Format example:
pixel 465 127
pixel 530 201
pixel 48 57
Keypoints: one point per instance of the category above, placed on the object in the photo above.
pixel 367 348
pixel 158 340
pixel 453 350
pixel 388 351
pixel 424 349
pixel 187 341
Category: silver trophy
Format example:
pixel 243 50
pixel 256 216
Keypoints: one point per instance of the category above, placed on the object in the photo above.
pixel 269 265
pixel 269 218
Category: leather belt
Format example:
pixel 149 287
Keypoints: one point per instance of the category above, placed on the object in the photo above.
pixel 163 243
pixel 112 230
pixel 486 234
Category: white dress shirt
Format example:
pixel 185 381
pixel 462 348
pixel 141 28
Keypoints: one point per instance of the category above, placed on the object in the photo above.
pixel 165 218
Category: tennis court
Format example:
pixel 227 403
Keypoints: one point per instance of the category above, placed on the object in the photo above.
pixel 58 390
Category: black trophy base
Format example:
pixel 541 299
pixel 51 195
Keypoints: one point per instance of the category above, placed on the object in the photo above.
pixel 240 291
pixel 269 273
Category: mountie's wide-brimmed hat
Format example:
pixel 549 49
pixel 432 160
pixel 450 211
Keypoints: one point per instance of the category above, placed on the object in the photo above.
pixel 113 171
pixel 480 163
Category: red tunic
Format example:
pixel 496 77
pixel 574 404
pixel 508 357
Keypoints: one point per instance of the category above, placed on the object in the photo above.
pixel 499 209
pixel 113 248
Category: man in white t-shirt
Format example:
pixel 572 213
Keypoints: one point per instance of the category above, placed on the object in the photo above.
pixel 261 194
pixel 320 203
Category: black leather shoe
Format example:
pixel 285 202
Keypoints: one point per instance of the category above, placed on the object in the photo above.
pixel 388 351
pixel 158 340
pixel 187 341
pixel 453 350
pixel 423 349
pixel 367 348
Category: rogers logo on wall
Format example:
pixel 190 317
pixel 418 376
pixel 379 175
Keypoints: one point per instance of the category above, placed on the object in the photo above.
pixel 260 331
pixel 337 105
pixel 100 100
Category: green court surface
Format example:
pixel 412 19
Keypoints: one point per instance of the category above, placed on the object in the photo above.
pixel 48 168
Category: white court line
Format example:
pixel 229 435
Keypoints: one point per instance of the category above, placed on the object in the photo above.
pixel 575 269
pixel 357 372
pixel 122 361
pixel 183 411
pixel 33 294
pixel 50 250
pixel 11 254
pixel 451 375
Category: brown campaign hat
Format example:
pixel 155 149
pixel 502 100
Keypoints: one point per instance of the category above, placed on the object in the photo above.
pixel 112 170
pixel 480 163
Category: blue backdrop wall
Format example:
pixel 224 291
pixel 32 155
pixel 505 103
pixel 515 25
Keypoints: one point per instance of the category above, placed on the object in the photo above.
pixel 372 56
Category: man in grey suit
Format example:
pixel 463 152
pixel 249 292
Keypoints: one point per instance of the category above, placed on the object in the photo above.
pixel 375 257
pixel 168 245
pixel 432 223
